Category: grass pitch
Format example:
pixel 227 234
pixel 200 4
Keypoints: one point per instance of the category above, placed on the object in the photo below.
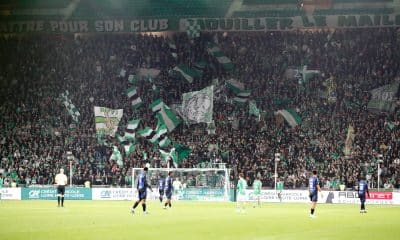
pixel 193 220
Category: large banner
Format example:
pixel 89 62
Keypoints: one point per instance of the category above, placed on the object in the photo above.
pixel 85 26
pixel 206 24
pixel 349 197
pixel 293 23
pixel 47 193
pixel 107 120
pixel 10 193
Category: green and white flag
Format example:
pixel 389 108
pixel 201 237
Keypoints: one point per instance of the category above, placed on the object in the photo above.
pixel 179 153
pixel 384 98
pixel 187 73
pixel 169 118
pixel 156 105
pixel 165 155
pixel 145 132
pixel 129 148
pixel 164 142
pixel 120 138
pixel 253 109
pixel 291 116
pixel 172 48
pixel 130 136
pixel 107 120
pixel 131 92
pixel 133 124
pixel 71 108
pixel 242 97
pixel 198 106
pixel 116 156
pixel 192 29
pixel 161 130
pixel 307 74
pixel 235 86
pixel 216 52
pixel 137 102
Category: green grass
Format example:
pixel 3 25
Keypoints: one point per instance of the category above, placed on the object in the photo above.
pixel 193 220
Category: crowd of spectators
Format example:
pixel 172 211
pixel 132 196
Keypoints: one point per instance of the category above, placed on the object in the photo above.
pixel 36 131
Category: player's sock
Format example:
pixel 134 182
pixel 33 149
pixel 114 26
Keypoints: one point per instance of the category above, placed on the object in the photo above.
pixel 62 201
pixel 144 207
pixel 169 204
pixel 312 211
pixel 58 200
pixel 135 205
pixel 160 199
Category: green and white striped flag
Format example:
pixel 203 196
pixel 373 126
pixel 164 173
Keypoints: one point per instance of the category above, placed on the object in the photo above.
pixel 129 148
pixel 197 106
pixel 291 116
pixel 169 118
pixel 133 124
pixel 216 52
pixel 131 92
pixel 242 97
pixel 145 132
pixel 161 130
pixel 107 120
pixel 165 142
pixel 137 102
pixel 187 73
pixel 192 28
pixel 156 105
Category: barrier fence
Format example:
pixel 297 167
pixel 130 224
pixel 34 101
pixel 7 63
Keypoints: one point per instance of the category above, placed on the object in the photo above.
pixel 196 194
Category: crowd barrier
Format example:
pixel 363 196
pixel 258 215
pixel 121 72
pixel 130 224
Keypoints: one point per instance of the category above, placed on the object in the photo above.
pixel 196 194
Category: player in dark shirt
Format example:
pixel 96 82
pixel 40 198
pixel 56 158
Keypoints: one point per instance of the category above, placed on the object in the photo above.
pixel 362 190
pixel 161 186
pixel 168 189
pixel 142 186
pixel 314 188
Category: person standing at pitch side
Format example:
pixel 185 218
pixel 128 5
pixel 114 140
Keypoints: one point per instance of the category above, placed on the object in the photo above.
pixel 61 180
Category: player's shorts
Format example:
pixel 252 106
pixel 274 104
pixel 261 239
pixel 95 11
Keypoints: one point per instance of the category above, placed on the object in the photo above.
pixel 314 196
pixel 241 198
pixel 161 192
pixel 142 194
pixel 61 189
pixel 168 194
pixel 362 197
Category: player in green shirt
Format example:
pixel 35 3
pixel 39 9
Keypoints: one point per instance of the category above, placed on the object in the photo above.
pixel 279 189
pixel 241 193
pixel 257 191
